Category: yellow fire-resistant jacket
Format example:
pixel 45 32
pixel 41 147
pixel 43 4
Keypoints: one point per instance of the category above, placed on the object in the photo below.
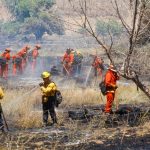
pixel 1 93
pixel 49 90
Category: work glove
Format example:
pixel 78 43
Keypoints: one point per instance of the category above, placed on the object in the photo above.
pixel 115 87
pixel 41 84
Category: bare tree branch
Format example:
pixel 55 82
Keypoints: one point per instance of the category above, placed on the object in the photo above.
pixel 138 14
pixel 121 19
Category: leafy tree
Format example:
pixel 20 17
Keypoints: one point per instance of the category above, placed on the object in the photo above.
pixel 10 28
pixel 27 8
pixel 40 25
pixel 31 16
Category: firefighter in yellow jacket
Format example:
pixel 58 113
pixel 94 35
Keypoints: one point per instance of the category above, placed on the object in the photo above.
pixel 48 89
pixel 1 120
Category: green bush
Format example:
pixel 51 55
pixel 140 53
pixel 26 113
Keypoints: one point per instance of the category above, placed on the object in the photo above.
pixel 10 28
pixel 103 28
pixel 23 9
pixel 39 25
pixel 31 16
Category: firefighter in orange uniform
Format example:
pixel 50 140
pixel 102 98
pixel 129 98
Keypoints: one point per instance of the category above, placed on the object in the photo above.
pixel 67 62
pixel 4 68
pixel 23 54
pixel 35 54
pixel 111 78
pixel 98 66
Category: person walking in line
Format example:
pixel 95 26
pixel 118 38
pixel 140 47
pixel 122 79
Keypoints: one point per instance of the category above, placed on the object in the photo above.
pixel 66 61
pixel 4 67
pixel 23 53
pixel 98 66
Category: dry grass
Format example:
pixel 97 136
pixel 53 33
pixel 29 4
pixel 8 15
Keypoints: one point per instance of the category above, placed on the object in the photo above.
pixel 23 107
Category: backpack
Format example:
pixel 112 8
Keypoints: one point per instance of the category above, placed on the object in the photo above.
pixel 103 87
pixel 58 98
pixel 18 60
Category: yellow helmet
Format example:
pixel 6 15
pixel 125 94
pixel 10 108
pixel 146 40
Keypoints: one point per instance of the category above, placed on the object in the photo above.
pixel 45 74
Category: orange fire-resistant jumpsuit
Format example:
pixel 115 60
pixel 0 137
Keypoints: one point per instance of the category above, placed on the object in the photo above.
pixel 67 58
pixel 23 54
pixel 97 64
pixel 35 54
pixel 4 69
pixel 110 81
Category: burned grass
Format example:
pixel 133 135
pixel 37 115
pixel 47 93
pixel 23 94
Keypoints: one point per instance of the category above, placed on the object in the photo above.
pixel 74 135
pixel 22 108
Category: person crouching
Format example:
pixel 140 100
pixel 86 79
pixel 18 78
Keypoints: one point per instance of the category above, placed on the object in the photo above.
pixel 48 89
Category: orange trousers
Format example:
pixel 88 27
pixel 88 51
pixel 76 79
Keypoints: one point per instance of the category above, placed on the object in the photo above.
pixel 33 65
pixel 99 71
pixel 110 98
pixel 24 64
pixel 1 70
pixel 20 68
pixel 14 69
pixel 17 68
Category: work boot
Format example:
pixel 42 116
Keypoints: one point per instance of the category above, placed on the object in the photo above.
pixel 52 124
pixel 111 112
pixel 45 124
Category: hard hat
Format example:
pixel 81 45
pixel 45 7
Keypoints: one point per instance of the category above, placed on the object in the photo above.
pixel 112 68
pixel 45 74
pixel 38 46
pixel 68 50
pixel 7 50
pixel 27 47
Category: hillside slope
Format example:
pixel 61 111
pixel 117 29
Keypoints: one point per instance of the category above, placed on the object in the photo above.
pixel 5 14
